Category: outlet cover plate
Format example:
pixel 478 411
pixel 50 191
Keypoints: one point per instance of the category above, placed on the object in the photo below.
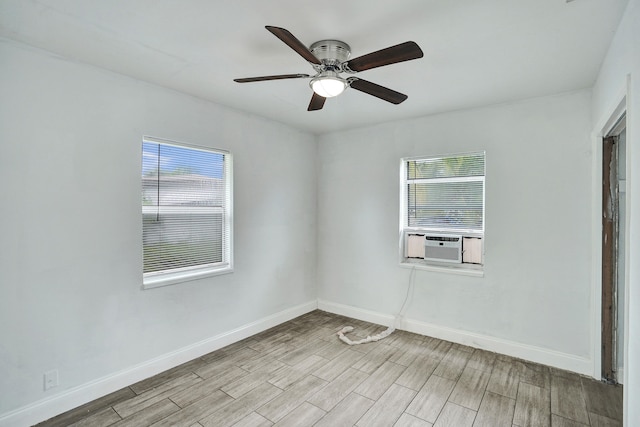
pixel 50 379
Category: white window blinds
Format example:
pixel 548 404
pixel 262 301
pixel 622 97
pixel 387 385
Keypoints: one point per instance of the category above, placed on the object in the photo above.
pixel 446 193
pixel 186 209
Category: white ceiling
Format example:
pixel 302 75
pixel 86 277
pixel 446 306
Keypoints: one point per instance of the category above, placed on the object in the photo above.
pixel 476 52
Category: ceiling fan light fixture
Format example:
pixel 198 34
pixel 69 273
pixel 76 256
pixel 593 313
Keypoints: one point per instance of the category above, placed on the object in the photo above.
pixel 328 84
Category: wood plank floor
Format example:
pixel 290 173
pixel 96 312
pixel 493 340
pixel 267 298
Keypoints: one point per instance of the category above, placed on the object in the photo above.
pixel 300 374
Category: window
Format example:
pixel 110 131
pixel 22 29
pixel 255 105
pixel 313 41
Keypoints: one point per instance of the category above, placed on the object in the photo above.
pixel 442 210
pixel 186 212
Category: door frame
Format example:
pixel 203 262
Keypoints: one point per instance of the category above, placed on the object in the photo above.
pixel 603 128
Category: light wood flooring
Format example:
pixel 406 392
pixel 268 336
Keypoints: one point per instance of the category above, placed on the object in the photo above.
pixel 300 374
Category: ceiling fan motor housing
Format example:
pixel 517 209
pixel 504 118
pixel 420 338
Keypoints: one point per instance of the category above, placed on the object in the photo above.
pixel 332 53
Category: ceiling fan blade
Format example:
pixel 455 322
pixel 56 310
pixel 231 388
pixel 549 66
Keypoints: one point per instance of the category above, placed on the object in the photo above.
pixel 401 52
pixel 378 91
pixel 295 44
pixel 277 77
pixel 317 102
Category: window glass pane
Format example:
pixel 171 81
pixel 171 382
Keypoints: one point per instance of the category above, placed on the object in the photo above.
pixel 181 240
pixel 446 193
pixel 446 205
pixel 446 167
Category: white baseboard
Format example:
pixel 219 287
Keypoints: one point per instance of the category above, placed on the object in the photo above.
pixel 531 353
pixel 356 313
pixel 72 398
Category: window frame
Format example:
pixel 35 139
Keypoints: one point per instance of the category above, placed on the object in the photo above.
pixel 457 268
pixel 156 279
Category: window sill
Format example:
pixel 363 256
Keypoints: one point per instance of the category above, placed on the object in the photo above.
pixel 174 278
pixel 460 269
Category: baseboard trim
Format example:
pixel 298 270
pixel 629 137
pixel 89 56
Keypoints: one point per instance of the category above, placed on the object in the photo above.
pixel 46 408
pixel 531 353
pixel 620 376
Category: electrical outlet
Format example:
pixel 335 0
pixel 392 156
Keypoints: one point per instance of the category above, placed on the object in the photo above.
pixel 51 379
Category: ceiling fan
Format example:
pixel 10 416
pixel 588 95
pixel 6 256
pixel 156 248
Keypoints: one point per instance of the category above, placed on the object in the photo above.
pixel 329 58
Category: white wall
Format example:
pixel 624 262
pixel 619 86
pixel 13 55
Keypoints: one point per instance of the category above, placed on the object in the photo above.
pixel 70 245
pixel 535 293
pixel 620 74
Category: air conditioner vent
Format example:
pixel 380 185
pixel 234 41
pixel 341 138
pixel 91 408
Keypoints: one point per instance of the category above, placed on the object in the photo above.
pixel 443 248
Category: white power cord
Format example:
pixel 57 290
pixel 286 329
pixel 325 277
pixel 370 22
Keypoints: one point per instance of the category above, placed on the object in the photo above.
pixel 396 323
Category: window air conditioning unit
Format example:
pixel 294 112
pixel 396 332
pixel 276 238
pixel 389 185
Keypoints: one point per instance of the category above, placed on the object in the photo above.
pixel 433 247
pixel 443 248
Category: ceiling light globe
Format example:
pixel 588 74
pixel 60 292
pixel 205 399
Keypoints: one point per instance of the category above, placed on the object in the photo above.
pixel 328 87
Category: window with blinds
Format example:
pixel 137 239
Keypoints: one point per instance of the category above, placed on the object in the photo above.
pixel 186 212
pixel 445 195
